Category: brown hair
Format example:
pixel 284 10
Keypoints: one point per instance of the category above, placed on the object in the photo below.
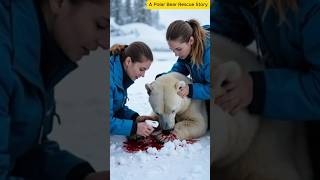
pixel 281 7
pixel 182 31
pixel 136 50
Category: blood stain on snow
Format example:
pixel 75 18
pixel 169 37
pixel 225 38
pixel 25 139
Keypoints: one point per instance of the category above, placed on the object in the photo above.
pixel 143 144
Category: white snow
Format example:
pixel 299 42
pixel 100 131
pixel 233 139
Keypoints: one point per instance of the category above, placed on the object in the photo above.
pixel 128 33
pixel 177 160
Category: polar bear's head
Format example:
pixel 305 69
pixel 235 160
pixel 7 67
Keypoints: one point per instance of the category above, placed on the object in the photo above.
pixel 165 101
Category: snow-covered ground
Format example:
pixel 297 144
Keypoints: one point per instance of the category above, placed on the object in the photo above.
pixel 176 160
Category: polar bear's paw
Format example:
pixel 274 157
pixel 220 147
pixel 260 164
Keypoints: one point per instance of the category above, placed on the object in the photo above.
pixel 166 138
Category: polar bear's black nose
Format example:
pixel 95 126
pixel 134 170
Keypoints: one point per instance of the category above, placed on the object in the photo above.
pixel 166 132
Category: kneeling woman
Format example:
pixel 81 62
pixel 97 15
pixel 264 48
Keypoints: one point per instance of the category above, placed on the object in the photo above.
pixel 126 66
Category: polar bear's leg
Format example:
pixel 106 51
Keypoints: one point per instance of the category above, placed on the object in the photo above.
pixel 186 128
pixel 192 124
pixel 189 129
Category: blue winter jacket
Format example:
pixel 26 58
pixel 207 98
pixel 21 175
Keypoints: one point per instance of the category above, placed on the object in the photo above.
pixel 200 89
pixel 121 117
pixel 290 87
pixel 27 104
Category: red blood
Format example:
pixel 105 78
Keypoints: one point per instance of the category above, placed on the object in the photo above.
pixel 172 137
pixel 191 141
pixel 143 144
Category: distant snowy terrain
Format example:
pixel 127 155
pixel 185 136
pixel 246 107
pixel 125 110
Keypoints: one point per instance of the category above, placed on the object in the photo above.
pixel 129 33
pixel 176 160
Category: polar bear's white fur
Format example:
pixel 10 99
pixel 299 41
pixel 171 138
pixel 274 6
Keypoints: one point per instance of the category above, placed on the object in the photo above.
pixel 186 117
pixel 248 147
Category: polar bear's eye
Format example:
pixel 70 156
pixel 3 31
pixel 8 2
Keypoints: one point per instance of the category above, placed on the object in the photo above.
pixel 172 111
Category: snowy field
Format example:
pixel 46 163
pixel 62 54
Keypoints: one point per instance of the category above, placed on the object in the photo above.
pixel 176 160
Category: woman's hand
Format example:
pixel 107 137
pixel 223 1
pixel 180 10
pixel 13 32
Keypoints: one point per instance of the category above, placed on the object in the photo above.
pixel 143 129
pixel 183 91
pixel 103 175
pixel 117 48
pixel 236 94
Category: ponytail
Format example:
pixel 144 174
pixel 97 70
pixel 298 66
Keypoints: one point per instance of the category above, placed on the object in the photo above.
pixel 199 35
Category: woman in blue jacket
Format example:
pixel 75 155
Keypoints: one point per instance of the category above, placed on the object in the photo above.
pixel 288 44
pixel 40 42
pixel 126 66
pixel 191 43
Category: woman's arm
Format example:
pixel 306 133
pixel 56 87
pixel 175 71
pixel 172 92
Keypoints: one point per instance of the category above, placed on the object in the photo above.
pixel 121 124
pixel 6 88
pixel 202 90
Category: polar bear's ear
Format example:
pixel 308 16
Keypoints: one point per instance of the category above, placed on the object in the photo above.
pixel 180 85
pixel 148 88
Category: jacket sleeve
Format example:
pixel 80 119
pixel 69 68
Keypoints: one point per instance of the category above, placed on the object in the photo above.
pixel 180 67
pixel 120 123
pixel 227 20
pixel 295 94
pixel 4 133
pixel 202 90
pixel 126 113
pixel 5 91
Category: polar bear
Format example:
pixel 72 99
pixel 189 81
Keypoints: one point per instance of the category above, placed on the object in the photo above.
pixel 248 147
pixel 186 117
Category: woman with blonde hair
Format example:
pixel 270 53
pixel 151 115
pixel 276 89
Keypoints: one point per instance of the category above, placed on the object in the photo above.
pixel 191 43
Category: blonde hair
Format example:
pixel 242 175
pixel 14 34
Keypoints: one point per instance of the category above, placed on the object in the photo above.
pixel 182 31
pixel 281 7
